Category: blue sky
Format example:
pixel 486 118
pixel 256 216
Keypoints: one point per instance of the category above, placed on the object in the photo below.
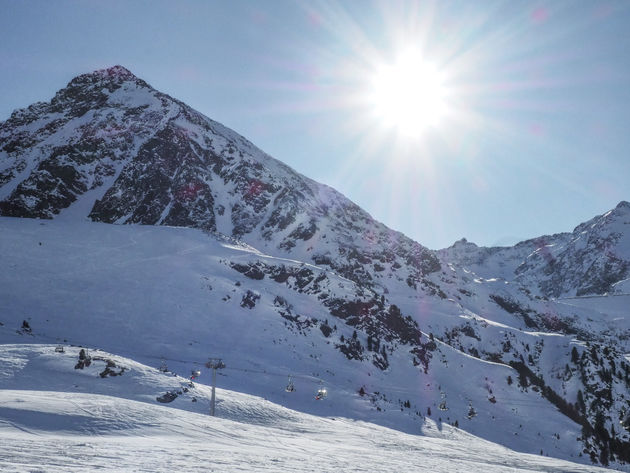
pixel 536 139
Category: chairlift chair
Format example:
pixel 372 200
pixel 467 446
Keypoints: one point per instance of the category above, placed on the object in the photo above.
pixel 215 364
pixel 321 394
pixel 443 406
pixel 290 386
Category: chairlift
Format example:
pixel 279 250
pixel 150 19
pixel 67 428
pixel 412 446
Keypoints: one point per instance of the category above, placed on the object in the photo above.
pixel 290 386
pixel 471 412
pixel 443 406
pixel 321 394
pixel 59 349
pixel 195 374
pixel 215 364
pixel 163 368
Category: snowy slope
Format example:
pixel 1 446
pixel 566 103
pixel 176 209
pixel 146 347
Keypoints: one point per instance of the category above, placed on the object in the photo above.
pixel 73 420
pixel 158 292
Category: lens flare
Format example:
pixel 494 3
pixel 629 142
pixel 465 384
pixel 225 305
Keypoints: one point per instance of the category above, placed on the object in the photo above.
pixel 409 95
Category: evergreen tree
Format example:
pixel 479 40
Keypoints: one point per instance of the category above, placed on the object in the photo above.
pixel 575 358
pixel 580 402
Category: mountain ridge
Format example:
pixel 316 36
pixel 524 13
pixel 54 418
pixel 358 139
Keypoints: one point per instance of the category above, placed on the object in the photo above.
pixel 157 161
pixel 597 249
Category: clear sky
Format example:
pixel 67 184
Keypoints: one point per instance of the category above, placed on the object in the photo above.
pixel 526 133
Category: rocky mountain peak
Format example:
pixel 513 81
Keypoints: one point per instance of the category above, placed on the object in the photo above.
pixel 109 77
pixel 622 208
pixel 111 148
pixel 115 72
pixel 604 222
pixel 464 243
pixel 90 91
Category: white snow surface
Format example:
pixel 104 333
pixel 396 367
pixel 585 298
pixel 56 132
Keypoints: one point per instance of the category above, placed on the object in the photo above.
pixel 145 293
pixel 55 418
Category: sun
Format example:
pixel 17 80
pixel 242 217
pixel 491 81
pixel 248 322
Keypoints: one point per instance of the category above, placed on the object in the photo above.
pixel 408 95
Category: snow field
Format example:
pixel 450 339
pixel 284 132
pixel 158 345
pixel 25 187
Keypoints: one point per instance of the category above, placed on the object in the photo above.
pixel 150 292
pixel 50 426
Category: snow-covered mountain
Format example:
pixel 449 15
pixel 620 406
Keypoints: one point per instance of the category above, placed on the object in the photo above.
pixel 111 148
pixel 592 260
pixel 280 275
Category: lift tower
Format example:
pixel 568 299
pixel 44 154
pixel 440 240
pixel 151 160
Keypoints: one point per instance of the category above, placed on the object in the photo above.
pixel 214 364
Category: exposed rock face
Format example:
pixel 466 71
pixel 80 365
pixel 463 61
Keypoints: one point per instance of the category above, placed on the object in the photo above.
pixel 596 257
pixel 53 153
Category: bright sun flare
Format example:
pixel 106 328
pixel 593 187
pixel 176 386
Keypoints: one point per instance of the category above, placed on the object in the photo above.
pixel 409 95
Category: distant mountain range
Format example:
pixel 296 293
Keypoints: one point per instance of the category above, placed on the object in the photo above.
pixel 473 326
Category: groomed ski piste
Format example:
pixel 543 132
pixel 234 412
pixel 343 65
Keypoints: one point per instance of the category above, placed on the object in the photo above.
pixel 135 298
pixel 54 418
